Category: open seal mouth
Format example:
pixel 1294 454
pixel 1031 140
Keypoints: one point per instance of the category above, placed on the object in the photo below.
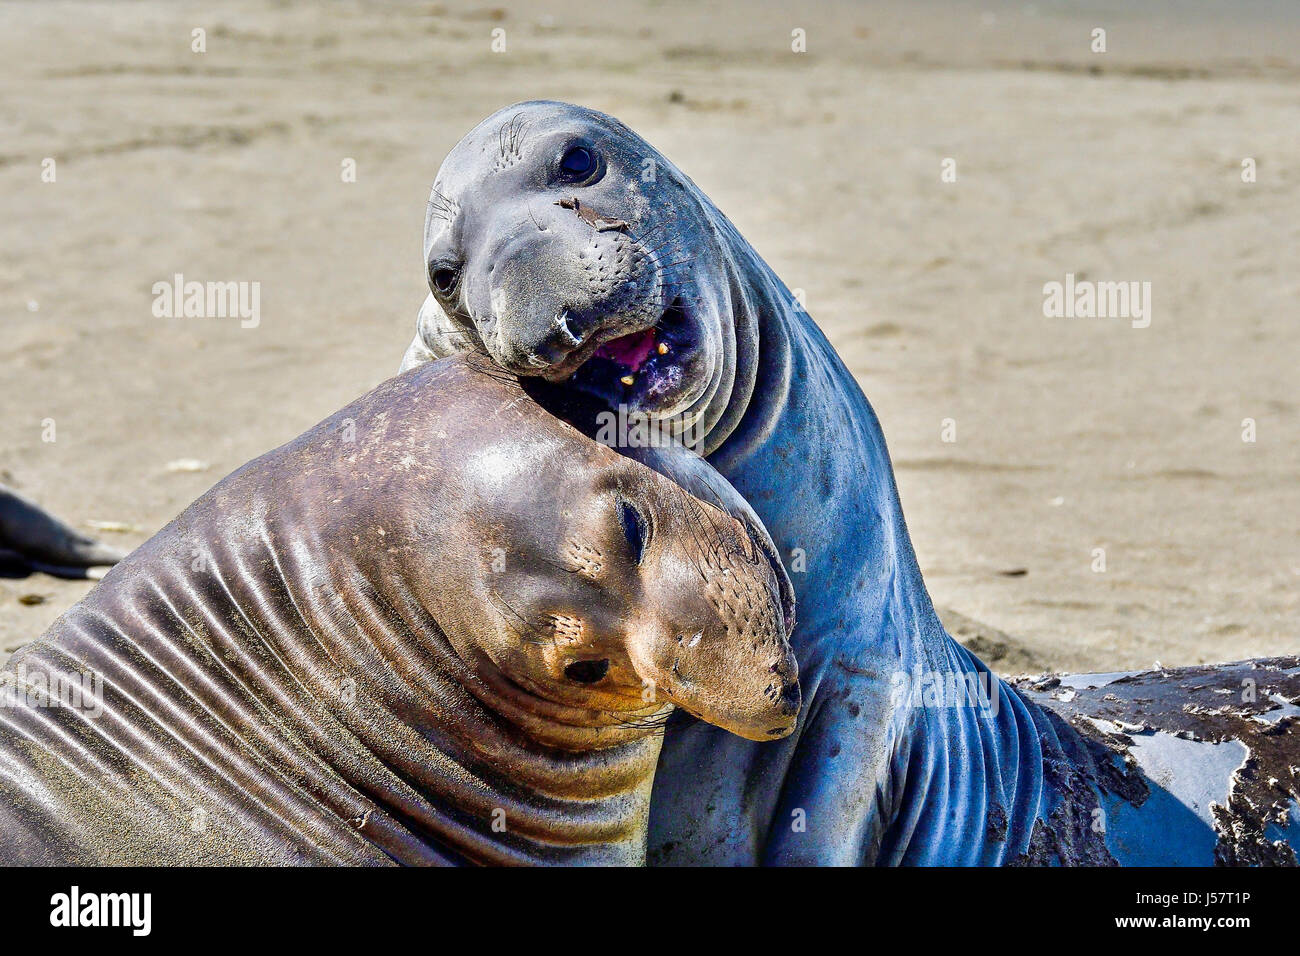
pixel 646 369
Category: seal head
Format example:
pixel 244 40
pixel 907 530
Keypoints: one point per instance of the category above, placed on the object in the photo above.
pixel 601 585
pixel 559 242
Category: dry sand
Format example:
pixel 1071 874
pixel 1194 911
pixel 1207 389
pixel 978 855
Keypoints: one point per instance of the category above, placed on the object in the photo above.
pixel 1072 434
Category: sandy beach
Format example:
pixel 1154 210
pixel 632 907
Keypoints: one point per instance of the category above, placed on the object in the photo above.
pixel 920 173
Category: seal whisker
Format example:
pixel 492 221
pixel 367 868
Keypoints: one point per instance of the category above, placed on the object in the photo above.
pixel 501 602
pixel 559 566
pixel 441 207
pixel 509 137
pixel 667 240
pixel 656 724
pixel 651 250
pixel 640 240
pixel 705 540
pixel 445 333
pixel 752 555
pixel 650 231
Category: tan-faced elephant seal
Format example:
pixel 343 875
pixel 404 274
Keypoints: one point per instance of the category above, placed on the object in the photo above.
pixel 567 248
pixel 439 627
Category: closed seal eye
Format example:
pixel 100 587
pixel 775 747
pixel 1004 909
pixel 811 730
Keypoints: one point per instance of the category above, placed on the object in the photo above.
pixel 636 529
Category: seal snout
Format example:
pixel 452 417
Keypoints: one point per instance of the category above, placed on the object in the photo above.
pixel 719 678
pixel 544 299
pixel 791 699
pixel 564 262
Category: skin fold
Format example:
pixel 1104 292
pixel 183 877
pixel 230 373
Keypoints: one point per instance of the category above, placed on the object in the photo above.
pixel 442 626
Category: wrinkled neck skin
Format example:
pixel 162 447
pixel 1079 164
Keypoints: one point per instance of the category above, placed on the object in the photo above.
pixel 270 697
pixel 866 777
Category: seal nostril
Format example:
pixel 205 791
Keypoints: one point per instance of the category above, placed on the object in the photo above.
pixel 586 672
pixel 444 280
pixel 562 326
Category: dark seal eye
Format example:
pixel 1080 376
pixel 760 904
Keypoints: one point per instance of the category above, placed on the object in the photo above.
pixel 578 162
pixel 444 280
pixel 635 529
pixel 586 672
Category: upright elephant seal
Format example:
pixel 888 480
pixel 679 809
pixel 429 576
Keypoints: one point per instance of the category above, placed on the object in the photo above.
pixel 565 247
pixel 439 627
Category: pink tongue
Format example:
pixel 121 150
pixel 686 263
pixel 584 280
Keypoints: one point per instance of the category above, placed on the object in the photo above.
pixel 630 351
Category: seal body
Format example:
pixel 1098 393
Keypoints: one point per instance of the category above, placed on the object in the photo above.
pixel 567 248
pixel 1193 766
pixel 439 627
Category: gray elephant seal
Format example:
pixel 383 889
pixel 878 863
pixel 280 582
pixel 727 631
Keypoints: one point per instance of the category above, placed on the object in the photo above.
pixel 568 249
pixel 439 627
pixel 32 539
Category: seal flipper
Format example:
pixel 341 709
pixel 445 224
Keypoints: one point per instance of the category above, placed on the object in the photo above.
pixel 34 540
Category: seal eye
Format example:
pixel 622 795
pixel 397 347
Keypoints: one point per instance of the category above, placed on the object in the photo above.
pixel 577 162
pixel 586 672
pixel 444 280
pixel 635 529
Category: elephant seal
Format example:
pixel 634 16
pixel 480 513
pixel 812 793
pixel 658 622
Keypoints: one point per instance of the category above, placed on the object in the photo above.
pixel 439 627
pixel 31 539
pixel 566 248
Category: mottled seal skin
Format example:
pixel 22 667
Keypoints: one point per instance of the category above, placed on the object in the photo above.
pixel 1190 766
pixel 440 627
pixel 566 248
pixel 32 539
